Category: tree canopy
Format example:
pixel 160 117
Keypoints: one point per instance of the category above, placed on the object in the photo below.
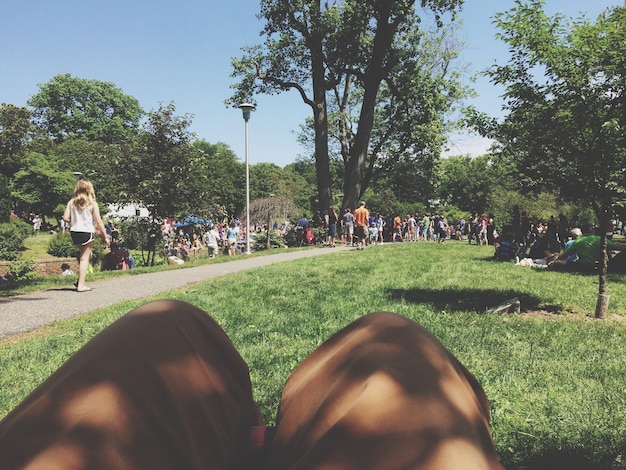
pixel 369 56
pixel 565 97
pixel 70 107
pixel 15 128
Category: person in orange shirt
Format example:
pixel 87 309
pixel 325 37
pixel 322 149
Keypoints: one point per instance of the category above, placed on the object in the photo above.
pixel 397 228
pixel 361 220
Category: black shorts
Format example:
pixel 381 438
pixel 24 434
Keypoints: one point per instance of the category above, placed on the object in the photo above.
pixel 81 238
pixel 361 232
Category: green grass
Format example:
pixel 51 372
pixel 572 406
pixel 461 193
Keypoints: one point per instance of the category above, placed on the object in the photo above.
pixel 556 377
pixel 36 247
pixel 36 250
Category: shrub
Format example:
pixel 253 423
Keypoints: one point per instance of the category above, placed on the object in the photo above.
pixel 260 241
pixel 21 269
pixel 62 246
pixel 12 236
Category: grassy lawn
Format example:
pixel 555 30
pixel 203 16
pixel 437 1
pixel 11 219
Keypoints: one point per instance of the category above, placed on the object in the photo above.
pixel 556 378
pixel 36 249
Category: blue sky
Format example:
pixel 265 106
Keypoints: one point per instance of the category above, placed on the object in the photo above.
pixel 162 50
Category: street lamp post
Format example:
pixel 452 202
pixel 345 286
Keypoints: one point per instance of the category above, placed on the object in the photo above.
pixel 246 108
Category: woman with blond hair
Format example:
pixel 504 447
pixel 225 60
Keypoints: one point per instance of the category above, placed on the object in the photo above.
pixel 83 215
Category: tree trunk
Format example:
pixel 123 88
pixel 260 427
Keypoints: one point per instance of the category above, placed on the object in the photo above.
pixel 320 119
pixel 602 303
pixel 355 166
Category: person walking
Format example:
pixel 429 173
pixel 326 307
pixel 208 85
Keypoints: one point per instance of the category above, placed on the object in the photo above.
pixel 333 218
pixel 348 227
pixel 361 217
pixel 212 241
pixel 232 235
pixel 83 215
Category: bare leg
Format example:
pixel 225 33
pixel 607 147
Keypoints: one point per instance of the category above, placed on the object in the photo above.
pixel 84 257
pixel 383 393
pixel 161 388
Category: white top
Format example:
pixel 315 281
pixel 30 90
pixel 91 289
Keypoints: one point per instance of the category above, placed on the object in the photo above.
pixel 212 237
pixel 81 220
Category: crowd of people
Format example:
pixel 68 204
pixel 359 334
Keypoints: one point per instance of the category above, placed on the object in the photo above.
pixel 556 244
pixel 360 227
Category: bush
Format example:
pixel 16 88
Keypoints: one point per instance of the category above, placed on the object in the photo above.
pixel 12 236
pixel 260 241
pixel 62 246
pixel 21 269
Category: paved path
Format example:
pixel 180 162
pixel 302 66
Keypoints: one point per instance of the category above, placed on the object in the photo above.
pixel 23 313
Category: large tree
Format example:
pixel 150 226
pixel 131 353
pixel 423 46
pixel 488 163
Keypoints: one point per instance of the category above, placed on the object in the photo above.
pixel 71 107
pixel 565 104
pixel 219 180
pixel 154 168
pixel 15 128
pixel 315 47
pixel 41 185
pixel 468 183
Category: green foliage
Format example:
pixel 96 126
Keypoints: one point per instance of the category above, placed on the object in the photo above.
pixel 564 92
pixel 62 246
pixel 97 252
pixel 217 181
pixel 453 214
pixel 5 199
pixel 260 241
pixel 158 170
pixel 145 234
pixel 468 183
pixel 389 81
pixel 21 269
pixel 40 186
pixel 12 236
pixel 69 107
pixel 15 127
pixel 97 161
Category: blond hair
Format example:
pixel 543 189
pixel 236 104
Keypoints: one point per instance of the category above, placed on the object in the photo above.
pixel 84 194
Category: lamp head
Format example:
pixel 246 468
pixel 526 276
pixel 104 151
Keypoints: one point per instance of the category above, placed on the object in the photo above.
pixel 246 108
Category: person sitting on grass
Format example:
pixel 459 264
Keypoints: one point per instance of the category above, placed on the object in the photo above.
pixel 582 253
pixel 507 248
pixel 163 387
pixel 546 247
pixel 119 258
pixel 66 271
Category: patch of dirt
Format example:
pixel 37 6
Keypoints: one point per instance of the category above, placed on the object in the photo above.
pixel 548 315
pixel 46 267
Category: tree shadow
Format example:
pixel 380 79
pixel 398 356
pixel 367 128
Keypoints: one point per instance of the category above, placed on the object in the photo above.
pixel 571 459
pixel 478 300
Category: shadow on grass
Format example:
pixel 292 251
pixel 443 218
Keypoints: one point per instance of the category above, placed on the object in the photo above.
pixel 572 459
pixel 478 300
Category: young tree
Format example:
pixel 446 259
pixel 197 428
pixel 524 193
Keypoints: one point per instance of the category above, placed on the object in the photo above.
pixel 565 100
pixel 314 47
pixel 70 107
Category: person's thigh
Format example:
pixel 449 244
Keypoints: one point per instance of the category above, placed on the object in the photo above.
pixel 383 393
pixel 161 388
